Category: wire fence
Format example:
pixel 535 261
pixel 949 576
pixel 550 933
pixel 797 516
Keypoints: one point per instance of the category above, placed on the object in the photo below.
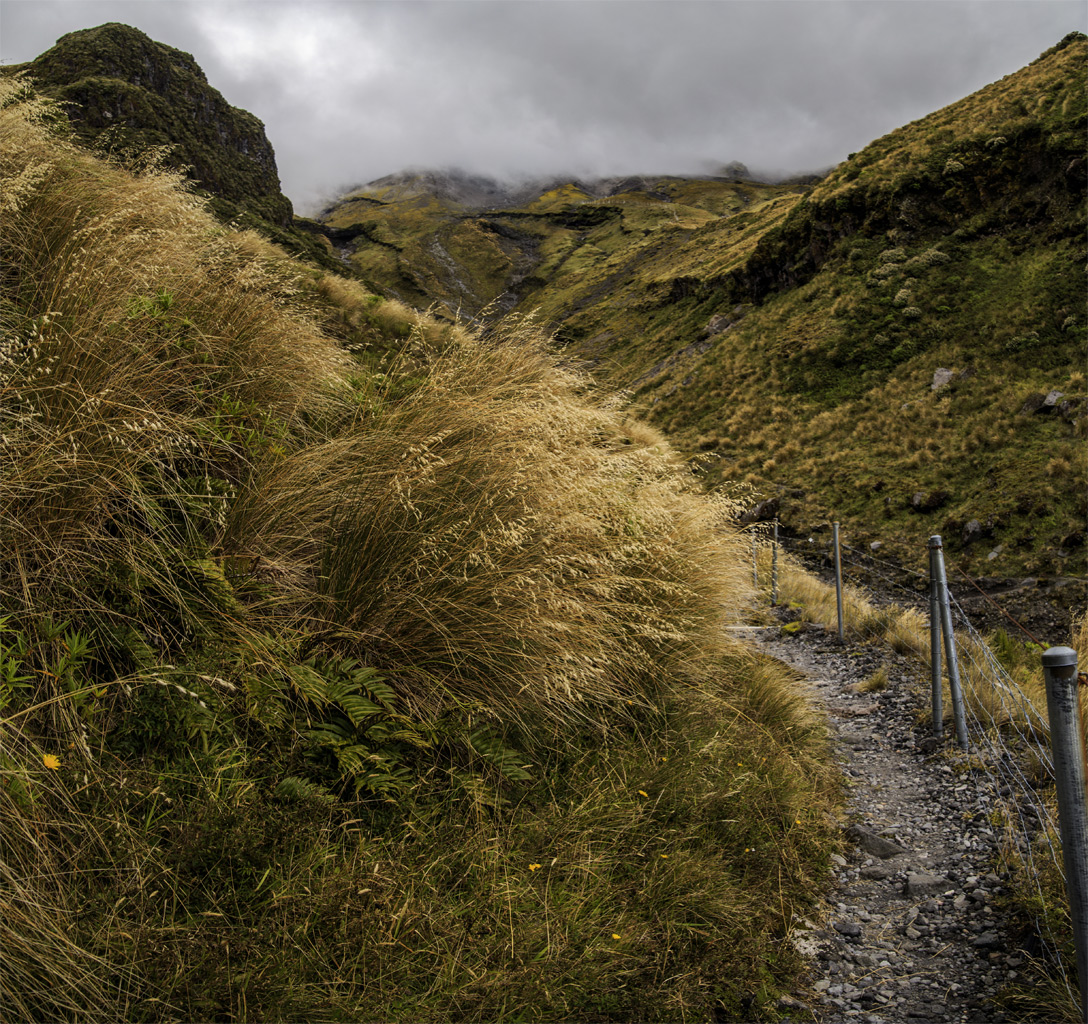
pixel 1014 772
pixel 1008 757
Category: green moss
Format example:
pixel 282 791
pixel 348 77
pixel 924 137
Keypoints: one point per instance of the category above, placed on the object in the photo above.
pixel 126 93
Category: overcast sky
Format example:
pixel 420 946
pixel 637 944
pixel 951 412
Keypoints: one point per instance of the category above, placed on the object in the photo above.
pixel 355 89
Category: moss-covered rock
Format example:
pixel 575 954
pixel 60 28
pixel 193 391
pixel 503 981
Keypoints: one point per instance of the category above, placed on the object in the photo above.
pixel 125 92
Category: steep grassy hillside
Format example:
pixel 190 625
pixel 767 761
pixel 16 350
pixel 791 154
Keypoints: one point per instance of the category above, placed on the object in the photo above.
pixel 955 243
pixel 876 347
pixel 354 665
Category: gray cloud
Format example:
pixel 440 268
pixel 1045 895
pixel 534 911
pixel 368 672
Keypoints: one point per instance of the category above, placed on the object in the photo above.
pixel 353 90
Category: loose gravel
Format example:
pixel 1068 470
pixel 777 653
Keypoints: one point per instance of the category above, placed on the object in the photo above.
pixel 912 931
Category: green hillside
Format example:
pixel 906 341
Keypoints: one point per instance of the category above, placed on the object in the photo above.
pixel 360 662
pixel 791 336
pixel 354 665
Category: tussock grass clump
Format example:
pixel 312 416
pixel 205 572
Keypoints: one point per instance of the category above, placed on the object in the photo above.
pixel 904 629
pixel 352 663
pixel 454 547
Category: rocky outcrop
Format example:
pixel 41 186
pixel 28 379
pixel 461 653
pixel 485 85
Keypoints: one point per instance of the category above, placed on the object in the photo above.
pixel 116 80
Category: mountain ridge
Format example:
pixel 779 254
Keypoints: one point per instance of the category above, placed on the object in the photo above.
pixel 951 243
pixel 114 78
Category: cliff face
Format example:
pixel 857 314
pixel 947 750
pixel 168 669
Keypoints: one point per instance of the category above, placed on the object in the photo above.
pixel 115 78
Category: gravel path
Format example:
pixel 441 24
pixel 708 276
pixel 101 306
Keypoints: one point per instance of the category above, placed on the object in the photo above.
pixel 911 932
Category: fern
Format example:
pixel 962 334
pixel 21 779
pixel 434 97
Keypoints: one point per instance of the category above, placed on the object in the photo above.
pixel 303 791
pixel 509 763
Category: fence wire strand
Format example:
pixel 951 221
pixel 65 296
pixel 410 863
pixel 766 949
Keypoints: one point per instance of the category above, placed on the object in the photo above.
pixel 1020 730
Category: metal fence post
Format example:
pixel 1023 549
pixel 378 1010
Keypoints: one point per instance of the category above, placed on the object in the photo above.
pixel 949 642
pixel 838 577
pixel 774 566
pixel 1067 745
pixel 935 643
pixel 755 565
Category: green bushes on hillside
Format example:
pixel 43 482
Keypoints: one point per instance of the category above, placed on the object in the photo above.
pixel 351 663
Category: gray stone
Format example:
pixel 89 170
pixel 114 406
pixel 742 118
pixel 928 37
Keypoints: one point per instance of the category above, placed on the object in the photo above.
pixel 877 872
pixel 856 740
pixel 717 325
pixel 848 928
pixel 922 883
pixel 941 376
pixel 972 531
pixel 870 842
pixel 988 940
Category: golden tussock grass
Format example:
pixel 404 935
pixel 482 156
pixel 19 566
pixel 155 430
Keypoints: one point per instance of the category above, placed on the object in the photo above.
pixel 351 661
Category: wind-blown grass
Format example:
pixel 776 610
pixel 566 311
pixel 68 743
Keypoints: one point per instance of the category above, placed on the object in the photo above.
pixel 339 682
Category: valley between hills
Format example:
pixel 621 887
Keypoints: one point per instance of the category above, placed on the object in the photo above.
pixel 373 608
pixel 898 344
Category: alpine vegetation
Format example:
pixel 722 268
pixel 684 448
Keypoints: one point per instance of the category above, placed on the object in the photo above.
pixel 354 663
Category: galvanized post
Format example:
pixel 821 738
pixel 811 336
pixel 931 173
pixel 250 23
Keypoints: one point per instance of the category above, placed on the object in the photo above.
pixel 774 566
pixel 935 643
pixel 1067 746
pixel 838 577
pixel 949 642
pixel 755 564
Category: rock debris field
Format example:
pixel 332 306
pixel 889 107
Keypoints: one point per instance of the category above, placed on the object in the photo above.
pixel 911 931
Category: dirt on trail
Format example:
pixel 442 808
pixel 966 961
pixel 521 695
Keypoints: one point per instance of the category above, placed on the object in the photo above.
pixel 911 930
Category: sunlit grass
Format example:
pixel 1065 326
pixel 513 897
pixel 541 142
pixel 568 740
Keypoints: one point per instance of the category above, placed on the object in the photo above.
pixel 355 664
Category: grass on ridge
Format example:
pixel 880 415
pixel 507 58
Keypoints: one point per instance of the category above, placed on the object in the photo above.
pixel 351 663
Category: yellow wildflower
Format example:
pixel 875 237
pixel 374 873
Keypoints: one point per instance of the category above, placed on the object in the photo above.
pixel 533 867
pixel 615 936
pixel 643 792
pixel 51 761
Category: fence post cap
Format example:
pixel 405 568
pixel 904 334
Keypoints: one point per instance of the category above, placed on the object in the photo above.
pixel 935 541
pixel 1059 657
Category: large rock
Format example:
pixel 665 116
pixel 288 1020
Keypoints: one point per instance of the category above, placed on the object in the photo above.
pixel 942 376
pixel 874 844
pixel 1041 404
pixel 149 94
